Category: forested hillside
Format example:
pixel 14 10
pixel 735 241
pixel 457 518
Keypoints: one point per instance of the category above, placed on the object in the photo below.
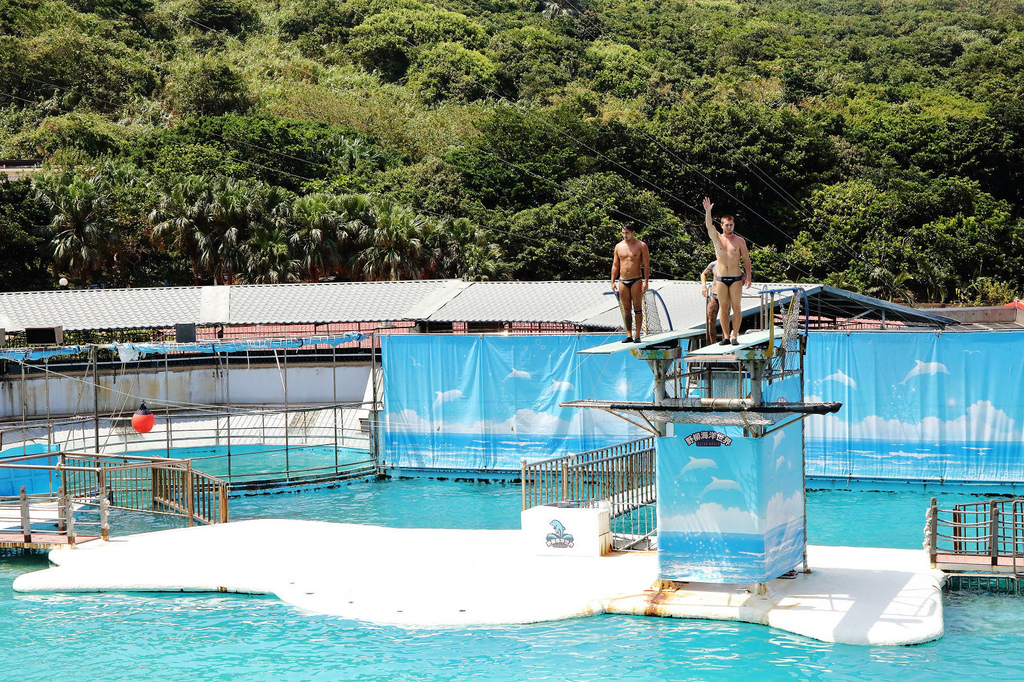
pixel 877 145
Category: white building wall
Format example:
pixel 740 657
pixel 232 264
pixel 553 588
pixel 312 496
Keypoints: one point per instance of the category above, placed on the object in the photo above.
pixel 260 385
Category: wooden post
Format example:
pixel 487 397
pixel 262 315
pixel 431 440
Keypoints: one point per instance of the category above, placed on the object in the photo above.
pixel 933 530
pixel 223 502
pixel 189 502
pixel 565 480
pixel 71 520
pixel 522 480
pixel 101 484
pixel 62 510
pixel 26 519
pixel 993 521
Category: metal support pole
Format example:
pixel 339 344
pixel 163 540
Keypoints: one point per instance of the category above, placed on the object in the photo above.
pixel 287 467
pixel 167 403
pixel 46 390
pixel 227 391
pixel 96 398
pixel 24 410
pixel 334 409
pixel 374 441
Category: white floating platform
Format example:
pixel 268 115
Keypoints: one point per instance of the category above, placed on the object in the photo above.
pixel 431 578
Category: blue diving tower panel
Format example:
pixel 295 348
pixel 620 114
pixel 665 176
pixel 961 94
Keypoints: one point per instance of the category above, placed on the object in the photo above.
pixel 730 507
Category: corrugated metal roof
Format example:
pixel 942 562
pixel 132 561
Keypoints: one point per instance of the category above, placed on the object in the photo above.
pixel 83 309
pixel 584 303
pixel 78 309
pixel 329 302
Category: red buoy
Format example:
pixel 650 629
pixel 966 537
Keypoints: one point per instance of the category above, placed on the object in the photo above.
pixel 143 420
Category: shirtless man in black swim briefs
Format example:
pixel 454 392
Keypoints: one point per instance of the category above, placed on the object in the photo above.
pixel 730 248
pixel 631 268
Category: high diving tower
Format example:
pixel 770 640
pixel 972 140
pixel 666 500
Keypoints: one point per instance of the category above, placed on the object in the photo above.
pixel 728 427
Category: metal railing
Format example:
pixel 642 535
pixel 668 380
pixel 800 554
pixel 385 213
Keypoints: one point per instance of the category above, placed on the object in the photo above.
pixel 988 534
pixel 76 483
pixel 623 474
pixel 248 448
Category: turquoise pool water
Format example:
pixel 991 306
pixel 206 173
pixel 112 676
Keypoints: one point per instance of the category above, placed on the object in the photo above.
pixel 221 637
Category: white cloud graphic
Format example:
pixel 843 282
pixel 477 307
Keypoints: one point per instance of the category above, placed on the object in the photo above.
pixel 840 378
pixel 781 509
pixel 925 369
pixel 983 422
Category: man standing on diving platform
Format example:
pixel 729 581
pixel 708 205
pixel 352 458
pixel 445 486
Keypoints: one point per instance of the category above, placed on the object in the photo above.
pixel 729 278
pixel 631 268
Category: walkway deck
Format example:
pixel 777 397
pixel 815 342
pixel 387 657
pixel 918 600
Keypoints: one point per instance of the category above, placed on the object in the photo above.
pixel 433 577
pixel 40 542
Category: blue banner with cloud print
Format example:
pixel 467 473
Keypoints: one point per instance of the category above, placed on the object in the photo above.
pixel 730 507
pixel 938 407
pixel 484 403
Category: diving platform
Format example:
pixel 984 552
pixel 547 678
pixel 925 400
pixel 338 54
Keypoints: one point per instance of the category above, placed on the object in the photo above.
pixel 442 577
pixel 718 411
pixel 645 342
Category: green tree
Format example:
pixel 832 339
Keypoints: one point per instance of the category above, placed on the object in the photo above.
pixel 231 16
pixel 21 212
pixel 79 232
pixel 208 86
pixel 450 71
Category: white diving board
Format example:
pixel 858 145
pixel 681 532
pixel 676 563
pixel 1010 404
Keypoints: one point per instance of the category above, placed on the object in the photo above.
pixel 748 340
pixel 645 341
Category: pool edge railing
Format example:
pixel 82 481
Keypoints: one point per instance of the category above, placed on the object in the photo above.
pixel 623 474
pixel 88 483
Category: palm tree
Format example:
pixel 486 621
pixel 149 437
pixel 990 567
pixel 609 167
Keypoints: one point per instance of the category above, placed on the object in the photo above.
pixel 266 257
pixel 80 233
pixel 390 244
pixel 318 231
pixel 463 250
pixel 890 286
pixel 182 222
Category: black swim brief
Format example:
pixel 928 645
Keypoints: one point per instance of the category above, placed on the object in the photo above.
pixel 727 280
pixel 630 282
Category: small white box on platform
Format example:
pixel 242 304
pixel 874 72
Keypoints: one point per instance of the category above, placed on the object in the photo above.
pixel 574 528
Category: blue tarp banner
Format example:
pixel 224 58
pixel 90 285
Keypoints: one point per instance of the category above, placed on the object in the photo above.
pixel 23 354
pixel 730 508
pixel 132 351
pixel 487 402
pixel 917 405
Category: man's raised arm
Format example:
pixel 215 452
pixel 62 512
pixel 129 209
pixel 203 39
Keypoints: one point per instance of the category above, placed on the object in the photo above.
pixel 708 223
